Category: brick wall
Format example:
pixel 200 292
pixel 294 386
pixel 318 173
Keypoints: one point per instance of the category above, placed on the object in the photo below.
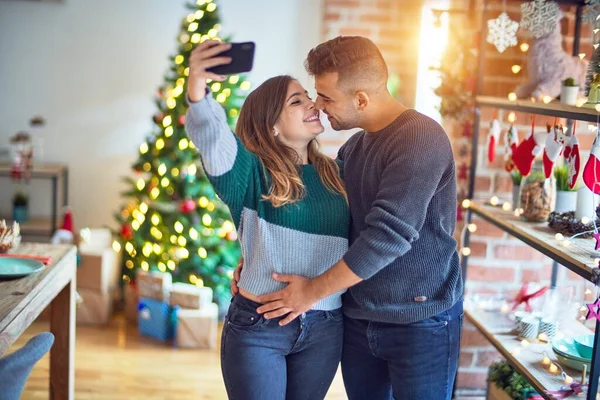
pixel 498 264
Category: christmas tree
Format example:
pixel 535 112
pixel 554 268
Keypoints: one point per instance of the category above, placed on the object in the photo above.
pixel 173 221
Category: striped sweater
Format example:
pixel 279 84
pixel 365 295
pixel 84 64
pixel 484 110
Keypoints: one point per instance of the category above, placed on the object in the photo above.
pixel 305 238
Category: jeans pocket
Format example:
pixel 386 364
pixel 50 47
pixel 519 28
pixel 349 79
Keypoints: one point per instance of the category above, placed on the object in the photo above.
pixel 437 321
pixel 240 318
pixel 334 315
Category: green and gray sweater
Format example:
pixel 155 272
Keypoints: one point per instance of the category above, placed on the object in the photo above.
pixel 305 238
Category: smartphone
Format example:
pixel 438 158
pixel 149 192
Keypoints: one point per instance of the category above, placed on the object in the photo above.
pixel 242 58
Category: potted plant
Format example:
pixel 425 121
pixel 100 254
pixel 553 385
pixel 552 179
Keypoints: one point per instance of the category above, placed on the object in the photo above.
pixel 569 92
pixel 20 207
pixel 516 177
pixel 566 198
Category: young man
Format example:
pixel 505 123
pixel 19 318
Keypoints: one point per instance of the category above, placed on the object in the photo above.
pixel 403 306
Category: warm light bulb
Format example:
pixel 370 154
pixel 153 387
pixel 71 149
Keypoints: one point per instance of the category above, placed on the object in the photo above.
pixel 553 368
pixel 524 47
pixel 466 203
pixel 193 27
pixel 512 96
pixel 145 265
pixel 494 201
pixel 178 227
pixel 543 337
pixel 234 79
pixel 472 228
pixel 203 202
pixel 582 55
pixel 221 98
pixel 116 246
pixel 162 169
pixel 585 220
pixel 140 184
pixel 169 131
pixel 193 234
pixel 568 380
pixel 559 236
pixel 211 7
pixel 154 193
pixel 546 99
pixel 466 251
pixel 192 169
pixel 546 360
pixel 516 69
pixel 143 207
pixel 245 85
pixel 165 182
pixel 199 14
pixel 160 143
pixel 171 265
pixel 144 148
pixel 524 343
pixel 167 121
pixel 202 252
pixel 179 59
pixel 183 144
pixel 215 87
pixel 206 219
pixel 181 241
pixel 506 206
pixel 195 38
pixel 512 117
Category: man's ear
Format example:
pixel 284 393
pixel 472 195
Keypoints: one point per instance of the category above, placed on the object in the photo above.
pixel 361 99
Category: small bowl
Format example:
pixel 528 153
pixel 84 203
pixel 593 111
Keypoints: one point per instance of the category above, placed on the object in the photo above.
pixel 584 345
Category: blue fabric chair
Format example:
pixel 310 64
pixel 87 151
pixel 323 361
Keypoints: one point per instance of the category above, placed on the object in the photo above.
pixel 16 367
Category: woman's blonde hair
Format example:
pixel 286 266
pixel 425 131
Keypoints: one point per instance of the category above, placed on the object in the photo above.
pixel 257 118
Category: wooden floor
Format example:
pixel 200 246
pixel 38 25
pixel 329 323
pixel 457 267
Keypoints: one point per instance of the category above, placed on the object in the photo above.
pixel 116 363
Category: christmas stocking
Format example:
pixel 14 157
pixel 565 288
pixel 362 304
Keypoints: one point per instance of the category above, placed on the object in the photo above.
pixel 510 144
pixel 526 152
pixel 591 172
pixel 554 145
pixel 571 154
pixel 492 138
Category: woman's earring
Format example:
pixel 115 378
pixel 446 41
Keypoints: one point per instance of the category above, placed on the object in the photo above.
pixel 276 133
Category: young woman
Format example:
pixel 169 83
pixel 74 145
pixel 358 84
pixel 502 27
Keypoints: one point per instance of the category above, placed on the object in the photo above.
pixel 290 209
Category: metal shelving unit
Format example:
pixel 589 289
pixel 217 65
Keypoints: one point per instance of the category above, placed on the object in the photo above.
pixel 54 172
pixel 576 257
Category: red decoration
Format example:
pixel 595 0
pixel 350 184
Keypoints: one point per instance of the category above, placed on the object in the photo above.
pixel 187 206
pixel 181 120
pixel 126 232
pixel 157 118
pixel 523 297
pixel 555 142
pixel 525 153
pixel 492 138
pixel 67 221
pixel 591 172
pixel 463 171
pixel 572 158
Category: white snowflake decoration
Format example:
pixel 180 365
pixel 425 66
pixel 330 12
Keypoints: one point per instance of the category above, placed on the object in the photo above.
pixel 502 32
pixel 539 17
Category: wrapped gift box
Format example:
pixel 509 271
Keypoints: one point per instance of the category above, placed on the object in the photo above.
pixel 95 307
pixel 156 319
pixel 99 270
pixel 93 239
pixel 131 303
pixel 197 328
pixel 154 285
pixel 185 295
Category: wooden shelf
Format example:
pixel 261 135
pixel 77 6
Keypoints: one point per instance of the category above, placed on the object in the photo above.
pixel 497 328
pixel 38 170
pixel 552 109
pixel 579 256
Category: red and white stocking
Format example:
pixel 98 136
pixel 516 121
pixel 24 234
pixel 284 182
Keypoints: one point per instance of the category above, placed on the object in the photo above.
pixel 511 141
pixel 554 145
pixel 528 150
pixel 492 138
pixel 571 154
pixel 591 172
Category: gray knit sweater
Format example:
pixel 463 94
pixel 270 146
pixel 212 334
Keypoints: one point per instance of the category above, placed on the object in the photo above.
pixel 402 191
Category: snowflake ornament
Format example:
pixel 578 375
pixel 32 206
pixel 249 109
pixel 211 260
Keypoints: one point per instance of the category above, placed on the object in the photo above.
pixel 592 11
pixel 502 32
pixel 539 17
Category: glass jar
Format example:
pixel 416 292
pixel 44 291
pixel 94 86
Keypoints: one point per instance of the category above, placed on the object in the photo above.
pixel 537 195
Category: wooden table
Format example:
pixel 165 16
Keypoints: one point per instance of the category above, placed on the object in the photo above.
pixel 22 300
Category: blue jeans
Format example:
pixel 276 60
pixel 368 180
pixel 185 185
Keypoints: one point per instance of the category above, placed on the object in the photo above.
pixel 384 361
pixel 261 360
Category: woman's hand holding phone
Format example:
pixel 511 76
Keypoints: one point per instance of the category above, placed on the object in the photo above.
pixel 203 57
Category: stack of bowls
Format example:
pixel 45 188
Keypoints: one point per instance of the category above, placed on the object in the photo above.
pixel 568 351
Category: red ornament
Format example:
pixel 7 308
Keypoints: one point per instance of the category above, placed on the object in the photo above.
pixel 157 118
pixel 126 232
pixel 187 206
pixel 181 120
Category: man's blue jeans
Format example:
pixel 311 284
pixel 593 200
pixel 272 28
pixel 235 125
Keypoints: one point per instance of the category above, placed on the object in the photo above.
pixel 384 361
pixel 261 360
